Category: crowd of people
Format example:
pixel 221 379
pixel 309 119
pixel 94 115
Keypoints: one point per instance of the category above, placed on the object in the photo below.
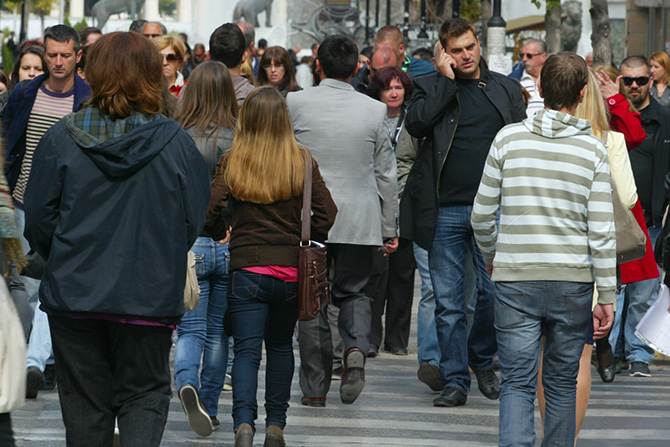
pixel 498 189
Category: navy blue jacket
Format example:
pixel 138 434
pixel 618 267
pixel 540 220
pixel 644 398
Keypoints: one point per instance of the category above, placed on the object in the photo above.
pixel 15 121
pixel 114 217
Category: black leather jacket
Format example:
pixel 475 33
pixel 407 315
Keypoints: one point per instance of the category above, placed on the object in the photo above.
pixel 433 115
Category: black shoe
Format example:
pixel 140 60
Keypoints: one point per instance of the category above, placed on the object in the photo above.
pixel 373 351
pixel 337 373
pixel 315 402
pixel 606 365
pixel 196 416
pixel 34 382
pixel 49 377
pixel 353 376
pixel 397 350
pixel 430 375
pixel 488 383
pixel 215 423
pixel 639 369
pixel 450 397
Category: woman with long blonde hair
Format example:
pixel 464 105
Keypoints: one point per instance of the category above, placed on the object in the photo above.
pixel 258 190
pixel 208 113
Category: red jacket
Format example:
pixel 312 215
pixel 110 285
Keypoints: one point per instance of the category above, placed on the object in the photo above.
pixel 623 120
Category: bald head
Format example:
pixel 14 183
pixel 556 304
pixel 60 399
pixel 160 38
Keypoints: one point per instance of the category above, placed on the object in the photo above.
pixel 382 56
pixel 392 36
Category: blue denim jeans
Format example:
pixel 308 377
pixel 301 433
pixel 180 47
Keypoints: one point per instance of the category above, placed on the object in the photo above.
pixel 262 308
pixel 200 332
pixel 522 310
pixel 447 257
pixel 639 296
pixel 428 350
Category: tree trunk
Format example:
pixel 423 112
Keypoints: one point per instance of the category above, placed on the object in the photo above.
pixel 487 12
pixel 552 25
pixel 600 36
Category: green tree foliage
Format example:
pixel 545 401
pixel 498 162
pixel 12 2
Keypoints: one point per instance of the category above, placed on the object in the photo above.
pixel 167 7
pixel 471 10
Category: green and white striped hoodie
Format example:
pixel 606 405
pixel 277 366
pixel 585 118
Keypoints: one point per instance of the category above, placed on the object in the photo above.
pixel 550 179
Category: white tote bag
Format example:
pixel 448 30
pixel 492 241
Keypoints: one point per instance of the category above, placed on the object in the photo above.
pixel 12 354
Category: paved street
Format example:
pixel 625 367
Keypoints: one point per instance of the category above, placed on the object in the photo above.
pixel 395 409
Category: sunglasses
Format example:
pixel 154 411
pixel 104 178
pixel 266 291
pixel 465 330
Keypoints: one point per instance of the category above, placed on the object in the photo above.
pixel 640 80
pixel 170 57
pixel 528 55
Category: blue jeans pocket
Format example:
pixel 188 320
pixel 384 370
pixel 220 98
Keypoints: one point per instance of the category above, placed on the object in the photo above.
pixel 291 294
pixel 579 305
pixel 245 285
pixel 506 316
pixel 200 269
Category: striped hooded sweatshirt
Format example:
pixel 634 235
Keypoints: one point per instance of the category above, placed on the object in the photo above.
pixel 550 180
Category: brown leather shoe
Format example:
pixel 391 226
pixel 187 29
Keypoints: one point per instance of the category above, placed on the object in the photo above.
pixel 314 401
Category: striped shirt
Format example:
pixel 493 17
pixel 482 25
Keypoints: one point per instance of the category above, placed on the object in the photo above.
pixel 550 179
pixel 48 109
pixel 535 102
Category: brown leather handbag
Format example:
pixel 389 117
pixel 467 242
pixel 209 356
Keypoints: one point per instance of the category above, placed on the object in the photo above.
pixel 313 287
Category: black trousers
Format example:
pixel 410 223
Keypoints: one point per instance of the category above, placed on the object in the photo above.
pixel 394 295
pixel 6 434
pixel 350 270
pixel 109 370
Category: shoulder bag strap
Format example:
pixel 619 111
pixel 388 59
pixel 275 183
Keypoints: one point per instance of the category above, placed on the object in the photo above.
pixel 305 232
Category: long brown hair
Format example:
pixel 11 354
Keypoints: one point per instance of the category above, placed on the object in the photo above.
pixel 265 163
pixel 128 80
pixel 208 101
pixel 278 55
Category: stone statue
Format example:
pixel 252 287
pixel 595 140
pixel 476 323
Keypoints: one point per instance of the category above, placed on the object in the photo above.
pixel 571 28
pixel 103 9
pixel 250 9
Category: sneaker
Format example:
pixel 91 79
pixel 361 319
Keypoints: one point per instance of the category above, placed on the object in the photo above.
pixel 450 397
pixel 488 383
pixel 196 416
pixel 228 383
pixel 34 382
pixel 639 369
pixel 215 423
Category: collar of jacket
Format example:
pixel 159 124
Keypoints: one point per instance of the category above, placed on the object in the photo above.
pixel 81 89
pixel 336 83
pixel 652 112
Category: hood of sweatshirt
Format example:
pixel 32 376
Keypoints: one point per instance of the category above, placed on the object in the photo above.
pixel 555 124
pixel 120 147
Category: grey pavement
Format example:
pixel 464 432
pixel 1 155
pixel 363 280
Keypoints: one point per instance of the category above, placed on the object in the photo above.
pixel 395 409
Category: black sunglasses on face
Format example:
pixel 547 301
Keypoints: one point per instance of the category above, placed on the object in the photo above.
pixel 171 57
pixel 528 55
pixel 640 80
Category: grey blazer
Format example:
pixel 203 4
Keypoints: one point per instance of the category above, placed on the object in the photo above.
pixel 344 131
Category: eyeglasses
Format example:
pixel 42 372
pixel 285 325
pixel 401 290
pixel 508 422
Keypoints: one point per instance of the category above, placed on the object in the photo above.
pixel 528 55
pixel 271 66
pixel 640 80
pixel 151 36
pixel 170 57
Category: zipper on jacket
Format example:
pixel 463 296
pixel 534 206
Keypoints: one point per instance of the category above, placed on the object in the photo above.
pixel 439 174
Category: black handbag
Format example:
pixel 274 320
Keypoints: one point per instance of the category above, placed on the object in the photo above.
pixel 313 288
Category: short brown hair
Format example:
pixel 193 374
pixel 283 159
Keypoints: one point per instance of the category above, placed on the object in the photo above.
pixel 455 27
pixel 390 33
pixel 563 77
pixel 125 81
